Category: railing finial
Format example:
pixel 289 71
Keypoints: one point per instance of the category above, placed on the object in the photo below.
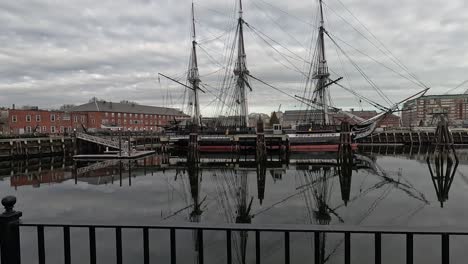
pixel 9 203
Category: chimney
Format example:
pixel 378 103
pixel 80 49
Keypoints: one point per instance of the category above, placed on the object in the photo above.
pixel 13 106
pixel 352 110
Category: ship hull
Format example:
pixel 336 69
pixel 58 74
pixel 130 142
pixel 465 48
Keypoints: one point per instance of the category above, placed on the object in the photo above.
pixel 312 142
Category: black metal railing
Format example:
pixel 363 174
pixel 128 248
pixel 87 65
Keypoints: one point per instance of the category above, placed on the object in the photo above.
pixel 11 250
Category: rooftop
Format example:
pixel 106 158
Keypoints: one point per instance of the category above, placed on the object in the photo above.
pixel 443 96
pixel 103 106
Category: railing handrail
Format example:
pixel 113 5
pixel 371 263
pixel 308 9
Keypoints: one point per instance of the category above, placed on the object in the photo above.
pixel 273 228
pixel 102 141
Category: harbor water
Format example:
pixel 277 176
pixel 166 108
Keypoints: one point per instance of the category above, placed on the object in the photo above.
pixel 377 190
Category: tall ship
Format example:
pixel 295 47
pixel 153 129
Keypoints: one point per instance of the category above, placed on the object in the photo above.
pixel 317 127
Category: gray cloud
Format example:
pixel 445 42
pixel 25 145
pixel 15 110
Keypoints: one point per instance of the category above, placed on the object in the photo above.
pixel 53 53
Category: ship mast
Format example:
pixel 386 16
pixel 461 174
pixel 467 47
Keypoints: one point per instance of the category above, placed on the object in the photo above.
pixel 322 73
pixel 241 72
pixel 193 75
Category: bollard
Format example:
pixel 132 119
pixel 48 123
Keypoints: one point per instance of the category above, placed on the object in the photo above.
pixel 9 232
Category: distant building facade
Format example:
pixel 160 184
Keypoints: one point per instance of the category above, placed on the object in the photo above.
pixel 426 110
pixel 128 116
pixel 27 121
pixel 93 116
pixel 292 118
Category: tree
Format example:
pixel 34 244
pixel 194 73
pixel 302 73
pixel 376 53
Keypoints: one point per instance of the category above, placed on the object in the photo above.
pixel 66 107
pixel 274 119
pixel 128 102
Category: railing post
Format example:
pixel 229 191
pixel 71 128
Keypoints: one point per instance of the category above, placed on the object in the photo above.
pixel 9 232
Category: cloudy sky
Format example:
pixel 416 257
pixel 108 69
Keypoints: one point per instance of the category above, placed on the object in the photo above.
pixel 65 52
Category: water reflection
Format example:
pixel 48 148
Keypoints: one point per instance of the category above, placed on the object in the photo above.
pixel 325 189
pixel 442 164
pixel 35 172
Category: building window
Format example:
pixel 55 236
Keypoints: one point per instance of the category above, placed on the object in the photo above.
pixel 131 115
pixel 106 114
pixel 118 121
pixel 28 128
pixel 125 121
pixel 125 114
pixel 52 118
pixel 52 129
pixel 118 115
pixel 44 129
pixel 75 119
pixel 93 121
pixel 28 118
pixel 38 118
pixel 14 119
pixel 82 119
pixel 62 129
pixel 112 114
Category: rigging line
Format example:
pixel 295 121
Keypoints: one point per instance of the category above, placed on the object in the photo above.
pixel 456 87
pixel 346 75
pixel 206 87
pixel 364 75
pixel 375 104
pixel 208 40
pixel 212 10
pixel 380 42
pixel 227 80
pixel 211 73
pixel 279 90
pixel 218 98
pixel 211 57
pixel 279 25
pixel 280 62
pixel 391 56
pixel 295 17
pixel 380 63
pixel 276 42
pixel 281 54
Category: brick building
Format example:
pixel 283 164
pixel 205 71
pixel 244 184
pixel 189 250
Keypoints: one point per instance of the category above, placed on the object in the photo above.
pixel 129 116
pixel 426 110
pixel 26 121
pixel 92 116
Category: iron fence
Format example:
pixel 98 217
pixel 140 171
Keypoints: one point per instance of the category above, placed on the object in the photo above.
pixel 11 250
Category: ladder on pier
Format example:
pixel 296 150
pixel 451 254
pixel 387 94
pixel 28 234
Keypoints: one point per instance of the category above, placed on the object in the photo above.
pixel 103 141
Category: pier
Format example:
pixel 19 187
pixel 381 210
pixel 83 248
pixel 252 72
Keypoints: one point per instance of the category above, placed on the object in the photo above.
pixel 126 142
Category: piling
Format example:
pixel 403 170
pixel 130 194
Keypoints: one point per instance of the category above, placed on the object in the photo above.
pixel 260 142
